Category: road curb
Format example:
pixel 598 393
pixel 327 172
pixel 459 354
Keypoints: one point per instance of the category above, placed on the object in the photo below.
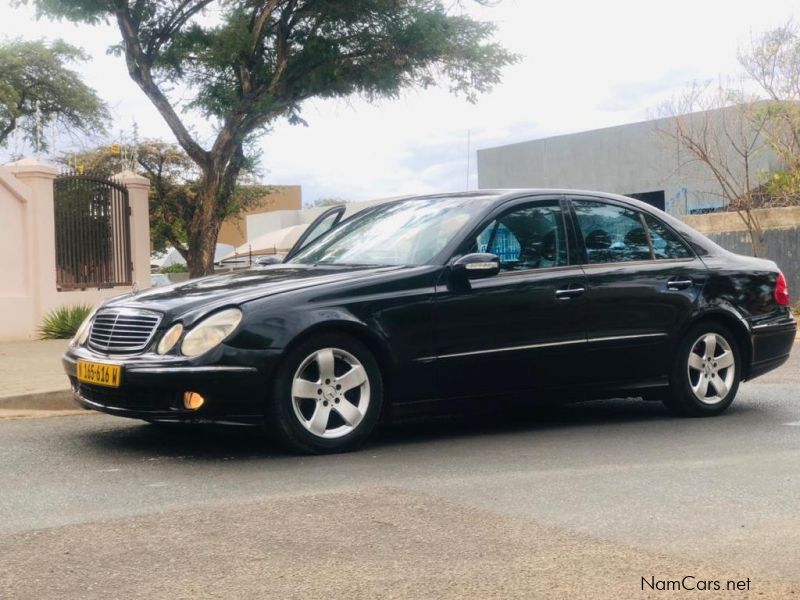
pixel 49 400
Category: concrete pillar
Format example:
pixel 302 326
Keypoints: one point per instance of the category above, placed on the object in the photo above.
pixel 16 299
pixel 138 196
pixel 40 234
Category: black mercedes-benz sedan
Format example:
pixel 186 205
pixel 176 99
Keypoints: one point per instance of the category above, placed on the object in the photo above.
pixel 529 294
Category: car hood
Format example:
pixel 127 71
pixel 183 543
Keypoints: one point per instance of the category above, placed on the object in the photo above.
pixel 208 293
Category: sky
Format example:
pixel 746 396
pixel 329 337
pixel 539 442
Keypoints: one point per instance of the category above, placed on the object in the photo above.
pixel 585 65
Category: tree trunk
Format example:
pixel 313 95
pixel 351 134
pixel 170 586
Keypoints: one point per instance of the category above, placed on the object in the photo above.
pixel 757 241
pixel 204 230
pixel 754 231
pixel 217 187
pixel 203 244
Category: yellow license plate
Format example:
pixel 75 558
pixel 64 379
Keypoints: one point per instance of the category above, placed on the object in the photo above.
pixel 99 373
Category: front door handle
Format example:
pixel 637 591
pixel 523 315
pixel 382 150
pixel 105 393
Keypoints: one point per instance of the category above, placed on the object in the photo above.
pixel 678 284
pixel 569 293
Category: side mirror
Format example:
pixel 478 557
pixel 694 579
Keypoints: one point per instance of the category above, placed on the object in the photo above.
pixel 477 266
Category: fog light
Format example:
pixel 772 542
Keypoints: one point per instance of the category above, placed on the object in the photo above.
pixel 193 400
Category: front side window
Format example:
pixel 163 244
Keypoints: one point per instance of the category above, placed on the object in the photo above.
pixel 611 233
pixel 528 237
pixel 408 232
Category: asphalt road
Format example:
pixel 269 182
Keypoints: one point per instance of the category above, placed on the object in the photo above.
pixel 577 501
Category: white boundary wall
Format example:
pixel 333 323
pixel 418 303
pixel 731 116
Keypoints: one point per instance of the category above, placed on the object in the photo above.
pixel 27 247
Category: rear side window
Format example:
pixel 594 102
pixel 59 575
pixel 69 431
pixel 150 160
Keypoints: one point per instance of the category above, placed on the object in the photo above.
pixel 666 243
pixel 611 233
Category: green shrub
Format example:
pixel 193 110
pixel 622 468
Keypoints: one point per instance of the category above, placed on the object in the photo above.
pixel 62 323
pixel 174 268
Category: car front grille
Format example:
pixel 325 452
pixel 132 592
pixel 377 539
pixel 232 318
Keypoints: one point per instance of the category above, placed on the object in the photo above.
pixel 123 331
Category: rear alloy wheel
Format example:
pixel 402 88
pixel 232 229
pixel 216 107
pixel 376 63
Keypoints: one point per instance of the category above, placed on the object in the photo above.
pixel 328 395
pixel 706 375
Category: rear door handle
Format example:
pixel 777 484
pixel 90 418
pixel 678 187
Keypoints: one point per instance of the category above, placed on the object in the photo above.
pixel 569 293
pixel 678 284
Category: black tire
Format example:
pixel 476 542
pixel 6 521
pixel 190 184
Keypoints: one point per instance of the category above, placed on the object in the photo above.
pixel 681 398
pixel 282 419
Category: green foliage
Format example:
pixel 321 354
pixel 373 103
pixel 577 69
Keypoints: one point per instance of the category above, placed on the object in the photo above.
pixel 783 188
pixel 34 76
pixel 62 323
pixel 174 268
pixel 319 202
pixel 244 64
pixel 259 59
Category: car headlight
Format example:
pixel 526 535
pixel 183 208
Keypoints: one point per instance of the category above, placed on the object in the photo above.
pixel 170 338
pixel 82 334
pixel 210 332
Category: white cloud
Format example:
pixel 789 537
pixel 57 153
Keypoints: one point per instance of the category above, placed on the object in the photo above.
pixel 586 65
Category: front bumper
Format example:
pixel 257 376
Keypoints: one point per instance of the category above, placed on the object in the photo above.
pixel 152 388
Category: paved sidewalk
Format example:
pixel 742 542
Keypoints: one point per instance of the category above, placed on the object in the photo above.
pixel 31 376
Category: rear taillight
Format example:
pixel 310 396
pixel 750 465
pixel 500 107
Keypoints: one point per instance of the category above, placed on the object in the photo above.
pixel 782 291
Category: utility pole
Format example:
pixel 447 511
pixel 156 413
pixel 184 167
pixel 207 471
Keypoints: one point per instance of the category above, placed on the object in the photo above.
pixel 469 155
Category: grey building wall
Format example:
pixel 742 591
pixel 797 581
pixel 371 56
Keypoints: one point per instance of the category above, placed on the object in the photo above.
pixel 627 159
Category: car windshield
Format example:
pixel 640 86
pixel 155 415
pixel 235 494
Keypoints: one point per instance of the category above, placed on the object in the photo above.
pixel 409 232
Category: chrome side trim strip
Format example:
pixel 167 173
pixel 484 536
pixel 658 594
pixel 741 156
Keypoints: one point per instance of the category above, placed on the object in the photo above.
pixel 221 369
pixel 627 337
pixel 496 350
pixel 776 326
pixel 545 345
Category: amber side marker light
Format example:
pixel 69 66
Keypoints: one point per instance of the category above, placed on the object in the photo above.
pixel 193 400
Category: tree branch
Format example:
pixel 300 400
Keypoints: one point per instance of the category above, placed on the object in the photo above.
pixel 259 29
pixel 6 131
pixel 174 24
pixel 139 66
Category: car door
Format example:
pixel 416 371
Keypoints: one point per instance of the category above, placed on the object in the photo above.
pixel 523 328
pixel 318 227
pixel 642 281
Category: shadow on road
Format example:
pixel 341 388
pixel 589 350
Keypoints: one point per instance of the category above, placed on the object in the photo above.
pixel 213 442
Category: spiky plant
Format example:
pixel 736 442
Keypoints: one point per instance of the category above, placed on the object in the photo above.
pixel 62 323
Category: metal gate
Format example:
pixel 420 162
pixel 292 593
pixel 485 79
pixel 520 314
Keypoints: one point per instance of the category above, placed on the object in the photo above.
pixel 92 227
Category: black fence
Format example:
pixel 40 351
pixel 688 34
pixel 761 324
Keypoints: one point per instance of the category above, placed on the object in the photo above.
pixel 92 227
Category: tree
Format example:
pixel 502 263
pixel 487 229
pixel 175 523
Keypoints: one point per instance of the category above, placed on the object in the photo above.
pixel 724 131
pixel 174 182
pixel 244 64
pixel 324 202
pixel 37 88
pixel 772 61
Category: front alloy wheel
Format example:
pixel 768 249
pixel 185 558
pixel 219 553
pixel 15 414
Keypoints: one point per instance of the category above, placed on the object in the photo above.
pixel 328 395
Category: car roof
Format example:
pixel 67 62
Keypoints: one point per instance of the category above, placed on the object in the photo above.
pixel 508 193
pixel 504 194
